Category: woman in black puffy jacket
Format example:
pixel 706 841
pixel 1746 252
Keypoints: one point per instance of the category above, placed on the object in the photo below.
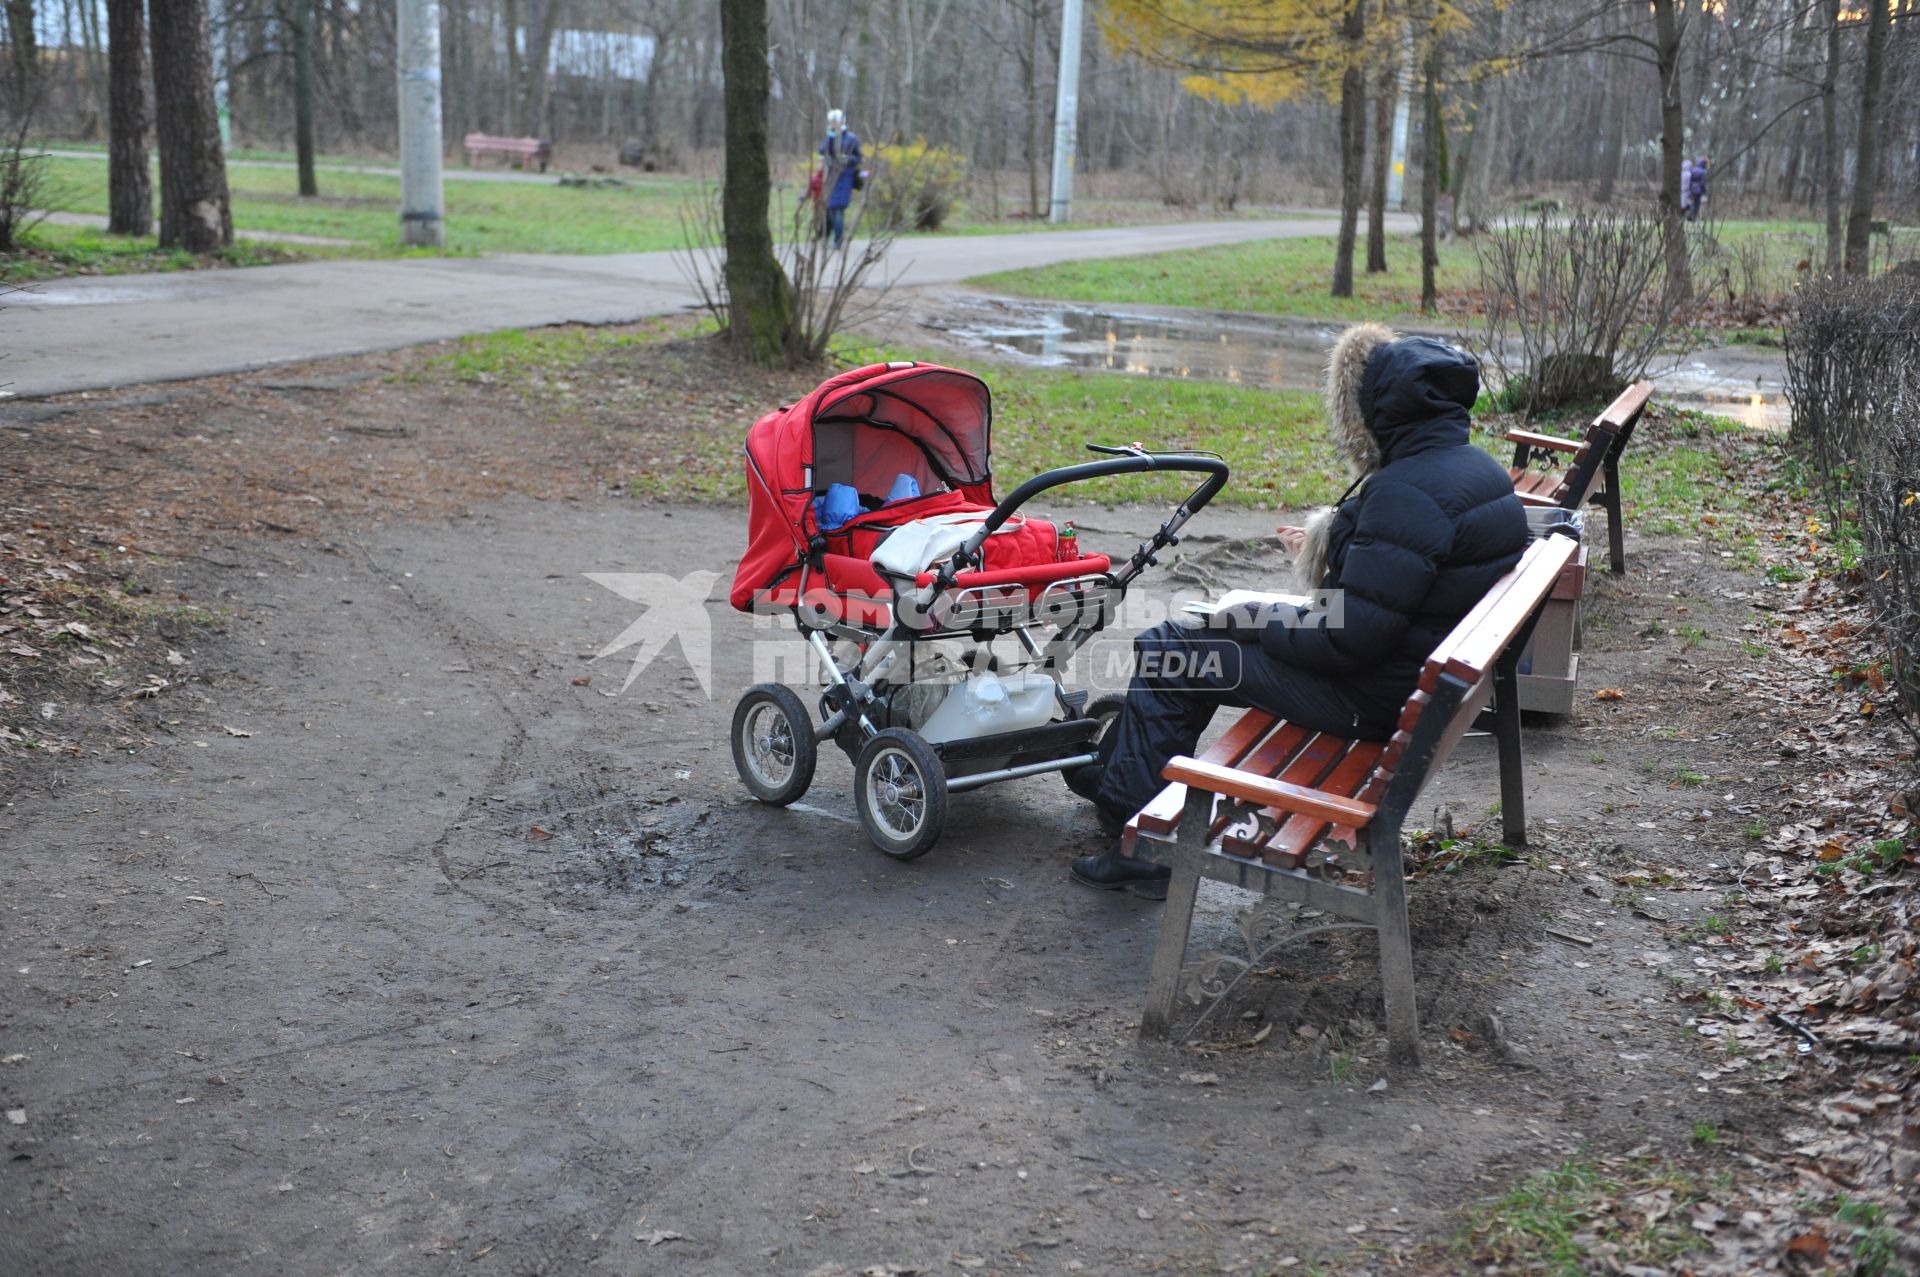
pixel 1428 525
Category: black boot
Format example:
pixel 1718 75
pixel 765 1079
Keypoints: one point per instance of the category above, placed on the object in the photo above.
pixel 1114 871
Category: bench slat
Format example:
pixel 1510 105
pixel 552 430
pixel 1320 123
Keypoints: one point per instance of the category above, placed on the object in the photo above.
pixel 1269 793
pixel 1535 440
pixel 1289 846
pixel 1626 409
pixel 1471 658
pixel 1437 662
pixel 1317 753
pixel 1162 815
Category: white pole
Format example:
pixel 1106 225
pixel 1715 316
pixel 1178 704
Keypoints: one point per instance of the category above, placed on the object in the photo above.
pixel 423 206
pixel 1066 113
pixel 1397 173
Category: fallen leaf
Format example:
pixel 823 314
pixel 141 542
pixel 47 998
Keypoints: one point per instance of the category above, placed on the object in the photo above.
pixel 235 731
pixel 659 1236
pixel 584 680
pixel 537 833
pixel 1609 694
pixel 1809 1248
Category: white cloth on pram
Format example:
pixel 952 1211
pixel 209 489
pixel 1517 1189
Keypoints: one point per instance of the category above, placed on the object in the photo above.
pixel 912 548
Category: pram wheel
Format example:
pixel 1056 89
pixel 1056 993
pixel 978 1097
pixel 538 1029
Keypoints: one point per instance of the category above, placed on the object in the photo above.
pixel 900 788
pixel 773 746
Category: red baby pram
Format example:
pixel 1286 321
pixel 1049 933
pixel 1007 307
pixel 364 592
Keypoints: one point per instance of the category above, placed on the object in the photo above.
pixel 916 590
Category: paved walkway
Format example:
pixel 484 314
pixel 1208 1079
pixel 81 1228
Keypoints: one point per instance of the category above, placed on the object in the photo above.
pixel 98 332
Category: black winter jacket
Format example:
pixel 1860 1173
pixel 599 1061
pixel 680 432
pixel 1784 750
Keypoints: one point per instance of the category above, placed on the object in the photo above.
pixel 1420 541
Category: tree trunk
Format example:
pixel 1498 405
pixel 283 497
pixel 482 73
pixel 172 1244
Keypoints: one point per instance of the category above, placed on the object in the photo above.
pixel 1673 143
pixel 1612 126
pixel 1032 67
pixel 194 209
pixel 510 10
pixel 1435 141
pixel 539 68
pixel 759 300
pixel 302 15
pixel 1866 167
pixel 129 126
pixel 1383 105
pixel 1830 137
pixel 23 47
pixel 1353 147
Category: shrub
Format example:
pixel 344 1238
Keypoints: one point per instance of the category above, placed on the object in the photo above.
pixel 1574 303
pixel 1853 380
pixel 916 186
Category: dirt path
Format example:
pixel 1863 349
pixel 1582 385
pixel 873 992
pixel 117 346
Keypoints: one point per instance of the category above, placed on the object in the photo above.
pixel 381 935
pixel 299 991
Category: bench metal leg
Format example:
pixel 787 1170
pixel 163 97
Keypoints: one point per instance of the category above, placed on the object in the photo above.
pixel 1506 733
pixel 1170 950
pixel 1396 947
pixel 1616 530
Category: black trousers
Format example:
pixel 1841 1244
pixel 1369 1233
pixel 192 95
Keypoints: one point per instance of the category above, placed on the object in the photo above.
pixel 1181 676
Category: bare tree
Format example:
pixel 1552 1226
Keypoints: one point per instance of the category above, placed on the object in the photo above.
pixel 23 44
pixel 1866 164
pixel 1353 144
pixel 1383 106
pixel 1673 145
pixel 300 24
pixel 129 124
pixel 1830 136
pixel 195 212
pixel 759 299
pixel 1434 138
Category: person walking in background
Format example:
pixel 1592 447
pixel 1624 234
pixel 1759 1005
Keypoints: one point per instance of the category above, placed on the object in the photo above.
pixel 1686 189
pixel 1697 189
pixel 840 172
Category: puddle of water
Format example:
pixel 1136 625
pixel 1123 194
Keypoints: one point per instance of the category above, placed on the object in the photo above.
pixel 1275 356
pixel 1284 354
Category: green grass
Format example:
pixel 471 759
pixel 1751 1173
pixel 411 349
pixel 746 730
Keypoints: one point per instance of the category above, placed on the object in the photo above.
pixel 53 252
pixel 644 215
pixel 1264 277
pixel 1552 1223
pixel 482 217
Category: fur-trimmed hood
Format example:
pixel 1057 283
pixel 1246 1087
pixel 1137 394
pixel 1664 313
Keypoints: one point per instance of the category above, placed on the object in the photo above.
pixel 1346 377
pixel 1387 396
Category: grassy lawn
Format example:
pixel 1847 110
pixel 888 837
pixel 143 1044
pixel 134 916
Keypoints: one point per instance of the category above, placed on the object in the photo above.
pixel 1687 473
pixel 482 217
pixel 1266 277
pixel 1042 417
pixel 1291 276
pixel 644 215
pixel 54 252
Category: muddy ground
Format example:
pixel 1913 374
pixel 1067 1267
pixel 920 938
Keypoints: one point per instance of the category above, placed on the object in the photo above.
pixel 394 929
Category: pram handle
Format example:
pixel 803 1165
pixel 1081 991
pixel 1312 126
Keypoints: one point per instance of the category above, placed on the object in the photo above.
pixel 1133 460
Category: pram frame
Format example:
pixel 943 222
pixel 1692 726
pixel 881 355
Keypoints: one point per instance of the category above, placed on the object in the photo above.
pixel 849 700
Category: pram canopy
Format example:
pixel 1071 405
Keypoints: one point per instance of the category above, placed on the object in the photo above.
pixel 863 428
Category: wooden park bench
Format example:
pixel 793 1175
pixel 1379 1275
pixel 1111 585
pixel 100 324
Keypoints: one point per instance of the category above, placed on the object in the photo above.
pixel 1550 670
pixel 529 151
pixel 1316 819
pixel 1593 474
